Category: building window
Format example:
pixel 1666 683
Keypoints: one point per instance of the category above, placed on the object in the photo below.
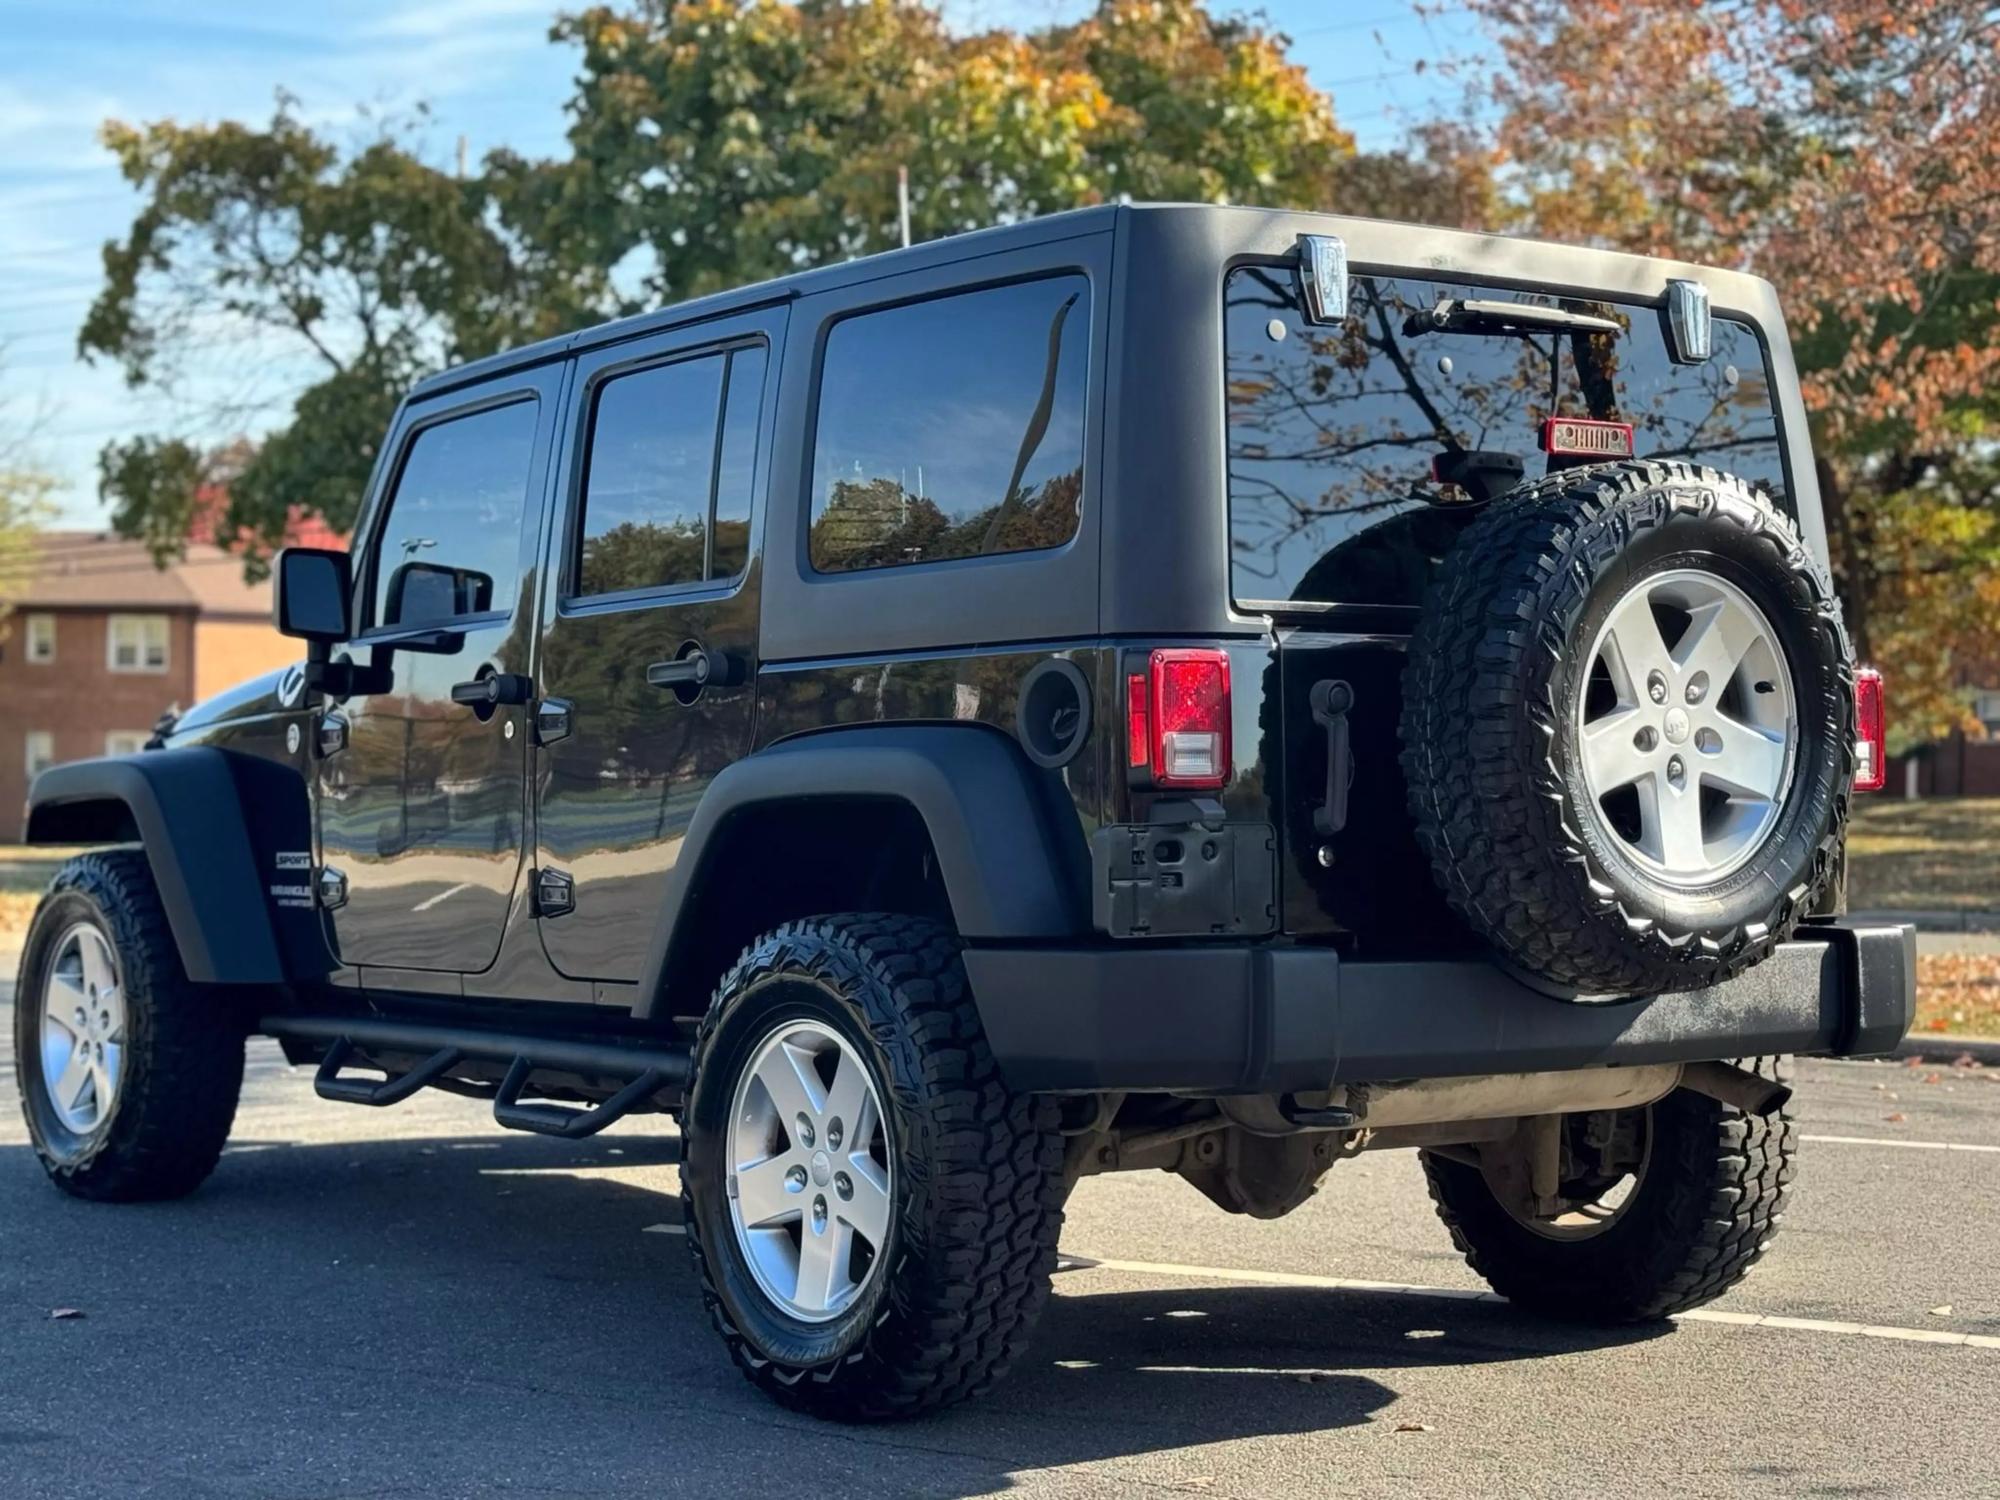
pixel 125 741
pixel 41 752
pixel 41 631
pixel 136 643
pixel 1986 706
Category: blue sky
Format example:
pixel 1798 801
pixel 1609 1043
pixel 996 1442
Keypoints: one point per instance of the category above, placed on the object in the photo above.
pixel 486 70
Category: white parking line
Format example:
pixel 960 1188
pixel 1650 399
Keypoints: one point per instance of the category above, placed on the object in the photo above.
pixel 442 896
pixel 1866 1140
pixel 1467 1294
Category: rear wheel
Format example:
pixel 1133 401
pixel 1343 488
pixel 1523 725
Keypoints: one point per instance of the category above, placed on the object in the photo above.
pixel 129 1073
pixel 1659 1209
pixel 873 1214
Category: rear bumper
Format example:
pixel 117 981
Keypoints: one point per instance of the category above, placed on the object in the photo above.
pixel 1275 1019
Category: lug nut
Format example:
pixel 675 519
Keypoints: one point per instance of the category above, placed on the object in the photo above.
pixel 843 1185
pixel 1676 772
pixel 1646 740
pixel 819 1215
pixel 1697 688
pixel 833 1134
pixel 1656 687
pixel 795 1180
pixel 802 1128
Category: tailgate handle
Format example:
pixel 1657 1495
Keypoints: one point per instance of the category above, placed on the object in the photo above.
pixel 1330 701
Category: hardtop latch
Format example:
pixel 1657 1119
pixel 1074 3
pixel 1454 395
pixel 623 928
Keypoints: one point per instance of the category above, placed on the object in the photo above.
pixel 1330 701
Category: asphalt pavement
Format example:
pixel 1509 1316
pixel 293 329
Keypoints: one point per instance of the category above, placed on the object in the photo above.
pixel 411 1302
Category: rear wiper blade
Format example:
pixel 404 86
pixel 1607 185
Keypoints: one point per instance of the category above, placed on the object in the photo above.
pixel 1471 315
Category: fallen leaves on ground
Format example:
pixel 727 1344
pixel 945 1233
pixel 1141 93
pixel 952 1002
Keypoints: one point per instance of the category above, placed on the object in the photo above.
pixel 1959 992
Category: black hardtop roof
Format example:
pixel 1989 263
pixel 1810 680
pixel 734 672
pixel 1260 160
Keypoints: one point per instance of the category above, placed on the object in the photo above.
pixel 1066 225
pixel 1434 246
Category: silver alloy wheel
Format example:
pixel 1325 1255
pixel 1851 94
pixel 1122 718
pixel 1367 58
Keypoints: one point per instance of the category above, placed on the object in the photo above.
pixel 810 1170
pixel 1688 768
pixel 82 1030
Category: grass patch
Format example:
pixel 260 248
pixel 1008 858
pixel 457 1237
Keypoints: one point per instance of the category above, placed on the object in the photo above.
pixel 1940 853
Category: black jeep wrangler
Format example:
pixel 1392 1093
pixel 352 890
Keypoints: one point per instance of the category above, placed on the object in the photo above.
pixel 1173 688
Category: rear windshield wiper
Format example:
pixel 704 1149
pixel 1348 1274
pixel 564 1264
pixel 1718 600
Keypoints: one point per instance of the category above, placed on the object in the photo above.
pixel 1471 315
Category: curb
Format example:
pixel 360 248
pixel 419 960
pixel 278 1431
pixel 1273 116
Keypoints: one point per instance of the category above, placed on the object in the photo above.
pixel 1945 1049
pixel 1926 919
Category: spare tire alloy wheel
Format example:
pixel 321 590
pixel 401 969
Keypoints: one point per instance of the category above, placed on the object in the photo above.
pixel 82 1031
pixel 1687 750
pixel 1628 721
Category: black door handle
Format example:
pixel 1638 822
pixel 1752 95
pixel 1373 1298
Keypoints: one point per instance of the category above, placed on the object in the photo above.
pixel 493 689
pixel 697 669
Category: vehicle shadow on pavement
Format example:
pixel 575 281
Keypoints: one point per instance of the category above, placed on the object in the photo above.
pixel 447 1279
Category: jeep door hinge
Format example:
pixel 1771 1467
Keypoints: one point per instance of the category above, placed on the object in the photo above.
pixel 552 720
pixel 555 894
pixel 332 889
pixel 332 736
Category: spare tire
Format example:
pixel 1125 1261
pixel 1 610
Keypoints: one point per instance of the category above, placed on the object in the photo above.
pixel 1628 727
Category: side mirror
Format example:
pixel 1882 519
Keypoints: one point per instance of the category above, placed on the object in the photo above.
pixel 313 594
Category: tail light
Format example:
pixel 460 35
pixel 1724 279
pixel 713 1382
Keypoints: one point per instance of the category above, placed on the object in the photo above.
pixel 1871 750
pixel 1177 719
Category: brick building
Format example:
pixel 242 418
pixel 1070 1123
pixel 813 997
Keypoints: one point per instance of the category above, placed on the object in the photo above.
pixel 102 642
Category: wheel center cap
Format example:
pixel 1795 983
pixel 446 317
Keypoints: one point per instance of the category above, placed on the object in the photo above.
pixel 822 1169
pixel 1675 726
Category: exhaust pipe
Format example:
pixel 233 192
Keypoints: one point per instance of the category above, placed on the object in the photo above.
pixel 1737 1087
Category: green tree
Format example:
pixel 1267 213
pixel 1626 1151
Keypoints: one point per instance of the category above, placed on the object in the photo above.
pixel 713 142
pixel 373 266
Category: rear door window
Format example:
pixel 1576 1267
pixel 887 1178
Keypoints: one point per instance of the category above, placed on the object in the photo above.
pixel 1333 431
pixel 952 428
pixel 666 493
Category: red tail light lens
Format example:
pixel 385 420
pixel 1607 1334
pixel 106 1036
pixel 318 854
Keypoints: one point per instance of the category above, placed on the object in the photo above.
pixel 1189 718
pixel 1871 748
pixel 1138 716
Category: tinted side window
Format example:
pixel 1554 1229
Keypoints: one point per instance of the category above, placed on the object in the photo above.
pixel 737 462
pixel 666 495
pixel 953 427
pixel 1332 431
pixel 450 543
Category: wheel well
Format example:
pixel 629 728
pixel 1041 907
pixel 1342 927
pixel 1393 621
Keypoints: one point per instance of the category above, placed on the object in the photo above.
pixel 779 861
pixel 99 821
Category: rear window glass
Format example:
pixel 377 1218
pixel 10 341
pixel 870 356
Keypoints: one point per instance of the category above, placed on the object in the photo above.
pixel 952 428
pixel 1333 430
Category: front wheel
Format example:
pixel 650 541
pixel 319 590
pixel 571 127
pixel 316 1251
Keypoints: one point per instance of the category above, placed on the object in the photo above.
pixel 873 1213
pixel 129 1073
pixel 1661 1209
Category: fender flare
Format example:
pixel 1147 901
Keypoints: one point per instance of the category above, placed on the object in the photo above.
pixel 184 807
pixel 1013 859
